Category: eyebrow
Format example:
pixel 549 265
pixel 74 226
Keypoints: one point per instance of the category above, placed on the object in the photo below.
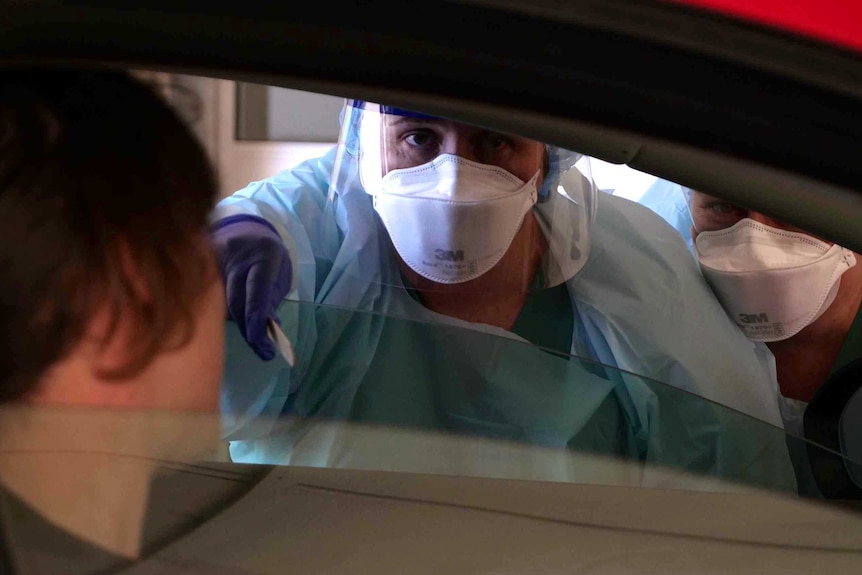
pixel 407 119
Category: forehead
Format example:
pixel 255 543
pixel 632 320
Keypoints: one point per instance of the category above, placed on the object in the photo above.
pixel 399 121
pixel 696 197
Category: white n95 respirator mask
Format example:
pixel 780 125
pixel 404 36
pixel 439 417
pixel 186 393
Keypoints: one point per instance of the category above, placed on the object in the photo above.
pixel 772 282
pixel 451 219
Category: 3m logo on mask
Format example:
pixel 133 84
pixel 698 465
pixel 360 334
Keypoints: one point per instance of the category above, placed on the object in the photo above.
pixel 449 255
pixel 753 318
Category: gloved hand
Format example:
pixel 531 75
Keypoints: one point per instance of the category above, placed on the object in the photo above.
pixel 256 270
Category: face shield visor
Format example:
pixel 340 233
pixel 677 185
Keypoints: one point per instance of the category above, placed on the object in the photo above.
pixel 460 207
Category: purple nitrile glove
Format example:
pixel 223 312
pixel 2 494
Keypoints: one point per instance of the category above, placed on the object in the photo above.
pixel 256 270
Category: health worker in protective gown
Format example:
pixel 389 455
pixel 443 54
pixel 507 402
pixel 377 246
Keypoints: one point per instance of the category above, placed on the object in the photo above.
pixel 434 275
pixel 796 295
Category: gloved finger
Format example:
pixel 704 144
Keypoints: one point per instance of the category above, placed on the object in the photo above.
pixel 264 349
pixel 259 307
pixel 257 337
pixel 235 297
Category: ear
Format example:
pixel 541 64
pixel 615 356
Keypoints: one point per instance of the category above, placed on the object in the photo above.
pixel 131 272
pixel 79 377
pixel 114 327
pixel 546 166
pixel 111 334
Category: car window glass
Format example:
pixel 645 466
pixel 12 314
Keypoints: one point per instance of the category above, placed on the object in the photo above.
pixel 590 308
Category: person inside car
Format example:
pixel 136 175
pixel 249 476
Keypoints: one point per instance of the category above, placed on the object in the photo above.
pixel 112 310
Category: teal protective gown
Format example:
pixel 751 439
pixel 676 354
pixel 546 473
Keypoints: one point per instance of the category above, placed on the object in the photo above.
pixel 367 352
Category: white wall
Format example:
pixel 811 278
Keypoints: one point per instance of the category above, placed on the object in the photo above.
pixel 296 116
pixel 240 162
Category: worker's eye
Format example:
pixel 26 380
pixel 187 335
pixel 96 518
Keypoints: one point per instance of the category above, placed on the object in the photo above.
pixel 724 208
pixel 420 138
pixel 495 142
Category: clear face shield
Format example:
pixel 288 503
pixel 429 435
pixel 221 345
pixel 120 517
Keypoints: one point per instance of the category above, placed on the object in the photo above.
pixel 459 207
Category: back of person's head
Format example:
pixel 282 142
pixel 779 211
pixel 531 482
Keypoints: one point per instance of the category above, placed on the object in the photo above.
pixel 104 200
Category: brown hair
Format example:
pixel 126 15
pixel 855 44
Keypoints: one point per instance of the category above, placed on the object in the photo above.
pixel 97 175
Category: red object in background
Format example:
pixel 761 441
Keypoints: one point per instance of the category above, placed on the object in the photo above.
pixel 837 22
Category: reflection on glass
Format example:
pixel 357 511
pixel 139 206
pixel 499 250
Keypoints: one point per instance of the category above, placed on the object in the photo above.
pixel 395 394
